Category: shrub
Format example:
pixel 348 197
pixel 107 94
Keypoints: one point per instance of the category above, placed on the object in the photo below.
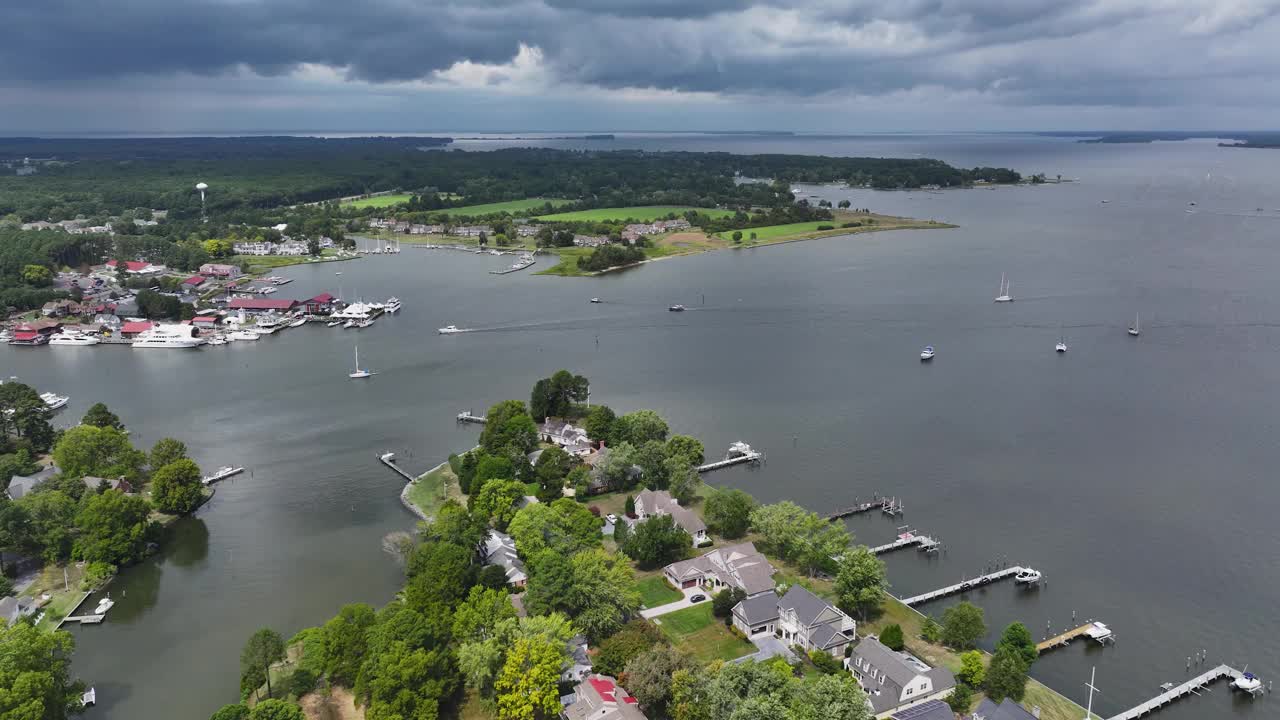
pixel 302 682
pixel 960 698
pixel 723 602
pixel 932 631
pixel 595 510
pixel 97 573
pixel 892 638
pixel 825 663
pixel 853 224
pixel 826 227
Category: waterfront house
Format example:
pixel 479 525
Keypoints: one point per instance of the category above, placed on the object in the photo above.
pixel 590 240
pixel 120 484
pixel 600 697
pixel 41 225
pixel 108 321
pixel 220 270
pixel 932 710
pixel 1006 710
pixel 205 322
pixel 258 305
pixel 498 548
pixel 472 230
pixel 740 566
pixel 527 230
pixel 293 247
pixel 566 435
pixel 60 308
pixel 579 666
pixel 254 248
pixel 651 503
pixel 798 618
pixel 20 485
pixel 321 304
pixel 13 609
pixel 895 680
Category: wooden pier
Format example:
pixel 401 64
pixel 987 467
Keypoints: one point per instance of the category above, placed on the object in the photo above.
pixel 389 459
pixel 1095 630
pixel 738 454
pixel 1190 687
pixel 963 586
pixel 906 539
pixel 857 509
pixel 466 417
pixel 85 619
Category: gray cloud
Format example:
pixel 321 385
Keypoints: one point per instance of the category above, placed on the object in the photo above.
pixel 1070 52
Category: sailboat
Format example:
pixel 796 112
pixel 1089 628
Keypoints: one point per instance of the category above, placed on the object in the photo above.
pixel 1135 329
pixel 1061 346
pixel 1004 295
pixel 360 374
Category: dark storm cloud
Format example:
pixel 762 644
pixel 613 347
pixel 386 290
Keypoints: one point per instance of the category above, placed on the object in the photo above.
pixel 1026 51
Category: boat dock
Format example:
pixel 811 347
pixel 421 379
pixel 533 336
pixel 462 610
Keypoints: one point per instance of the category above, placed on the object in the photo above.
pixel 963 586
pixel 857 508
pixel 1190 687
pixel 85 619
pixel 465 416
pixel 1096 630
pixel 389 459
pixel 739 453
pixel 906 538
pixel 514 268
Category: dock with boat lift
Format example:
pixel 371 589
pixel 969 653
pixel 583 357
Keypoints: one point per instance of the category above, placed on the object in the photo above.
pixel 906 538
pixel 739 453
pixel 963 586
pixel 1092 629
pixel 466 417
pixel 857 508
pixel 1190 687
pixel 389 459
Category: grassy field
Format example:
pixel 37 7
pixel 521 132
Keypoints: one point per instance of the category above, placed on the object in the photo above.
pixel 430 491
pixel 655 591
pixel 644 213
pixel 702 635
pixel 379 201
pixel 771 234
pixel 511 206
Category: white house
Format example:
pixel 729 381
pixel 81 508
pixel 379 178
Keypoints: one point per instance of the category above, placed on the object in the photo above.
pixel 499 549
pixel 894 680
pixel 797 618
pixel 652 503
pixel 740 566
pixel 569 437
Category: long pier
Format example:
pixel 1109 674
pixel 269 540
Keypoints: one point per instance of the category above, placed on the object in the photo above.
pixel 963 586
pixel 906 539
pixel 389 459
pixel 1096 630
pixel 1190 687
pixel 739 453
pixel 857 508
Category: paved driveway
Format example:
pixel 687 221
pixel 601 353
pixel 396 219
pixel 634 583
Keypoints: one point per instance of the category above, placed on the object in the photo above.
pixel 768 646
pixel 680 604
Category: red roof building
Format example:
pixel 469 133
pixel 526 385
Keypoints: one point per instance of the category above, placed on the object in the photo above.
pixel 133 328
pixel 204 320
pixel 600 697
pixel 321 304
pixel 194 281
pixel 132 266
pixel 261 304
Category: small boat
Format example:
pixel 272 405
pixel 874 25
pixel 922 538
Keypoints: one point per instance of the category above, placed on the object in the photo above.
pixel 1247 682
pixel 1104 202
pixel 1061 346
pixel 217 340
pixel 1004 295
pixel 298 323
pixel 364 324
pixel 54 401
pixel 349 324
pixel 595 300
pixel 1100 632
pixel 393 305
pixel 1135 329
pixel 359 374
pixel 243 335
pixel 333 323
pixel 337 272
pixel 676 308
pixel 450 330
pixel 223 473
pixel 89 698
pixel 927 353
pixel 1027 576
pixel 104 605
pixel 267 290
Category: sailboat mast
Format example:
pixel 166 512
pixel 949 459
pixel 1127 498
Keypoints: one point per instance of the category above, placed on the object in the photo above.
pixel 357 358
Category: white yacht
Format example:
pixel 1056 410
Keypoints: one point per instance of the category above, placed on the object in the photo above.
pixel 1248 682
pixel 333 323
pixel 676 308
pixel 169 336
pixel 54 401
pixel 1027 576
pixel 243 335
pixel 1061 346
pixel 595 300
pixel 73 337
pixel 268 324
pixel 927 353
pixel 217 340
pixel 359 374
pixel 350 324
pixel 450 329
pixel 364 324
pixel 393 305
pixel 298 322
pixel 1135 329
pixel 1004 295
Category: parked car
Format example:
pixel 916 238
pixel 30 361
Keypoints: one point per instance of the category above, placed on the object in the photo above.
pixel 613 519
pixel 697 598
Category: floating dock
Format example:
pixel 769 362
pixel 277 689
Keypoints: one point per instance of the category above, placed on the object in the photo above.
pixel 89 698
pixel 963 586
pixel 739 453
pixel 466 417
pixel 1190 687
pixel 1094 630
pixel 389 459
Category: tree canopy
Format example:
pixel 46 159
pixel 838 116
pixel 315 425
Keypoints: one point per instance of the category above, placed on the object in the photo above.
pixel 657 541
pixel 176 487
pixel 860 581
pixel 728 512
pixel 962 626
pixel 35 675
pixel 98 451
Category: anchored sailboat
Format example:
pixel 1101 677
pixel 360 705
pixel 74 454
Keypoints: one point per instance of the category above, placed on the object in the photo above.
pixel 1135 329
pixel 1004 295
pixel 359 374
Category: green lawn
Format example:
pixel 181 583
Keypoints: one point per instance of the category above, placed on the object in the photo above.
pixel 379 201
pixel 698 632
pixel 655 591
pixel 430 491
pixel 772 232
pixel 643 213
pixel 511 206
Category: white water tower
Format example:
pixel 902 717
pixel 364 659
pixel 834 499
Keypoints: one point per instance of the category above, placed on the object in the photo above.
pixel 202 187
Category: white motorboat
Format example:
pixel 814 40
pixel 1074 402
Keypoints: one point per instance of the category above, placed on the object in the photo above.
pixel 1003 295
pixel 1135 329
pixel 595 300
pixel 73 338
pixel 676 308
pixel 392 305
pixel 927 353
pixel 450 330
pixel 1248 682
pixel 267 324
pixel 223 473
pixel 217 340
pixel 1061 346
pixel 104 605
pixel 54 401
pixel 299 322
pixel 359 374
pixel 333 323
pixel 349 324
pixel 169 336
pixel 243 335
pixel 364 324
pixel 1027 576
pixel 267 290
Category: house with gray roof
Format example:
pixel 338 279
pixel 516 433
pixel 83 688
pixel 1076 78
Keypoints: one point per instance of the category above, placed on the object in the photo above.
pixel 740 566
pixel 600 697
pixel 652 503
pixel 798 618
pixel 579 664
pixel 499 549
pixel 13 609
pixel 1006 710
pixel 20 485
pixel 932 710
pixel 896 680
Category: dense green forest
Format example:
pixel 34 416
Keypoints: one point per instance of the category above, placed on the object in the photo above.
pixel 105 177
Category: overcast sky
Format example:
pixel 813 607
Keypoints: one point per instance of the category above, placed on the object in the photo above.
pixel 494 65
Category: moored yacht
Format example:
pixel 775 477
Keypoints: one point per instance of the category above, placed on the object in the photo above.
pixel 927 353
pixel 676 308
pixel 393 305
pixel 1027 576
pixel 243 335
pixel 298 322
pixel 1061 346
pixel 54 401
pixel 1136 328
pixel 595 300
pixel 73 337
pixel 169 336
pixel 267 324
pixel 450 329
pixel 1247 682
